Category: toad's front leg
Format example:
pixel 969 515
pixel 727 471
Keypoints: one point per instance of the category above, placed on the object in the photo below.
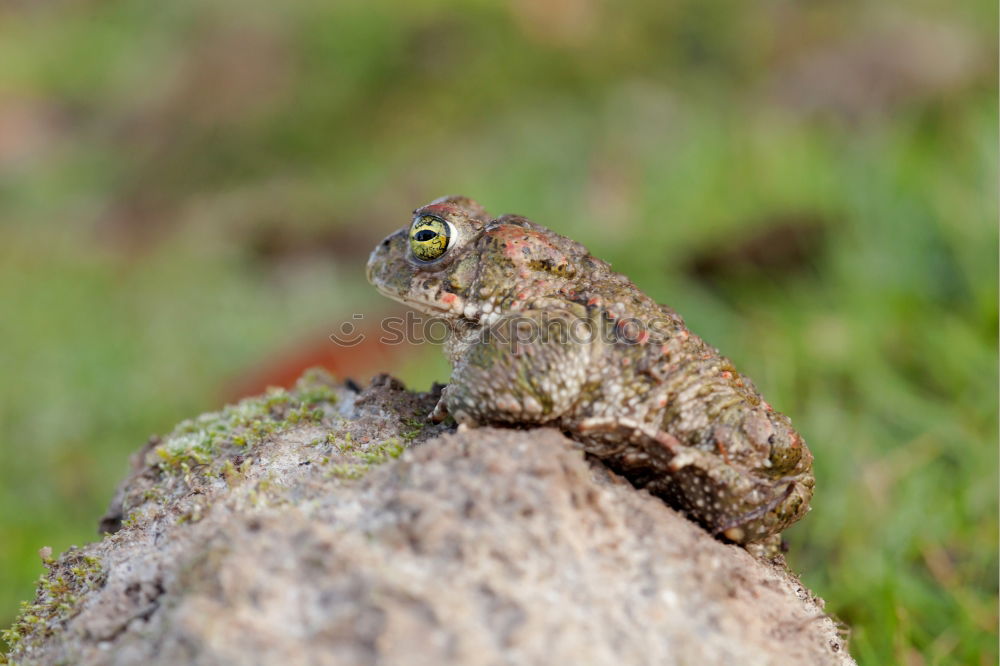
pixel 527 368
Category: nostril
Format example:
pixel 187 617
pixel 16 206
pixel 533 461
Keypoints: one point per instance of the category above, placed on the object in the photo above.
pixel 385 243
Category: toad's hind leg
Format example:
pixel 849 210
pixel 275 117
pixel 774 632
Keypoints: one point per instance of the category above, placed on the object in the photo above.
pixel 729 501
pixel 627 440
pixel 527 368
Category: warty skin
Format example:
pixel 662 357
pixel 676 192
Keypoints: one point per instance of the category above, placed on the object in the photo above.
pixel 543 333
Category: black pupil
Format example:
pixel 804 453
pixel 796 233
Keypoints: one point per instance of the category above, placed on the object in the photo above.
pixel 424 235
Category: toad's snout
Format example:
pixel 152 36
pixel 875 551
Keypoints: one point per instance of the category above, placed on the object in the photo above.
pixel 380 261
pixel 388 269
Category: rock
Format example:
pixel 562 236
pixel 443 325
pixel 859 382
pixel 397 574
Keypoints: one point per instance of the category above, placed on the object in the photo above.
pixel 324 526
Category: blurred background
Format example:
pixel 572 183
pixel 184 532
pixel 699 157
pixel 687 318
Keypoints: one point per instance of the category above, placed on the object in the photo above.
pixel 189 190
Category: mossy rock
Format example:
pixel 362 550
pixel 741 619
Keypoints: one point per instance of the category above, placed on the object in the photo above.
pixel 326 525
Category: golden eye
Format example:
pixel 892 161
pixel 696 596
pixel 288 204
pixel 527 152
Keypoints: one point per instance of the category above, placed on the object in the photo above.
pixel 429 237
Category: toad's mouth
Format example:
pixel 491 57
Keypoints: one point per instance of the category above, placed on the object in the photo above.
pixel 448 306
pixel 429 306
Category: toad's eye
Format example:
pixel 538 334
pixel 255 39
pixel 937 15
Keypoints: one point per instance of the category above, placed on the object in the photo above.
pixel 429 237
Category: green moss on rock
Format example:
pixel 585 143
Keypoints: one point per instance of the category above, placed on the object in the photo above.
pixel 201 440
pixel 56 600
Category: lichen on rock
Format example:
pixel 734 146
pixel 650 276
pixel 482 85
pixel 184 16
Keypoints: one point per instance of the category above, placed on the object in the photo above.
pixel 323 525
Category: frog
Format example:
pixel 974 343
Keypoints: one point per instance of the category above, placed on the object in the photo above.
pixel 541 333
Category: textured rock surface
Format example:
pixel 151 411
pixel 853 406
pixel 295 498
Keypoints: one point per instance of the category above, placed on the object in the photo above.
pixel 295 529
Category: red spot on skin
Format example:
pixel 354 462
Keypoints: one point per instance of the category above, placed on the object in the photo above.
pixel 665 349
pixel 643 338
pixel 719 444
pixel 726 374
pixel 440 210
pixel 593 300
pixel 512 232
pixel 522 296
pixel 626 361
pixel 706 356
pixel 767 406
pixel 513 239
pixel 662 402
pixel 448 298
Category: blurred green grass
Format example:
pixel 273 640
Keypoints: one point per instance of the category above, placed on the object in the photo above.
pixel 147 152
